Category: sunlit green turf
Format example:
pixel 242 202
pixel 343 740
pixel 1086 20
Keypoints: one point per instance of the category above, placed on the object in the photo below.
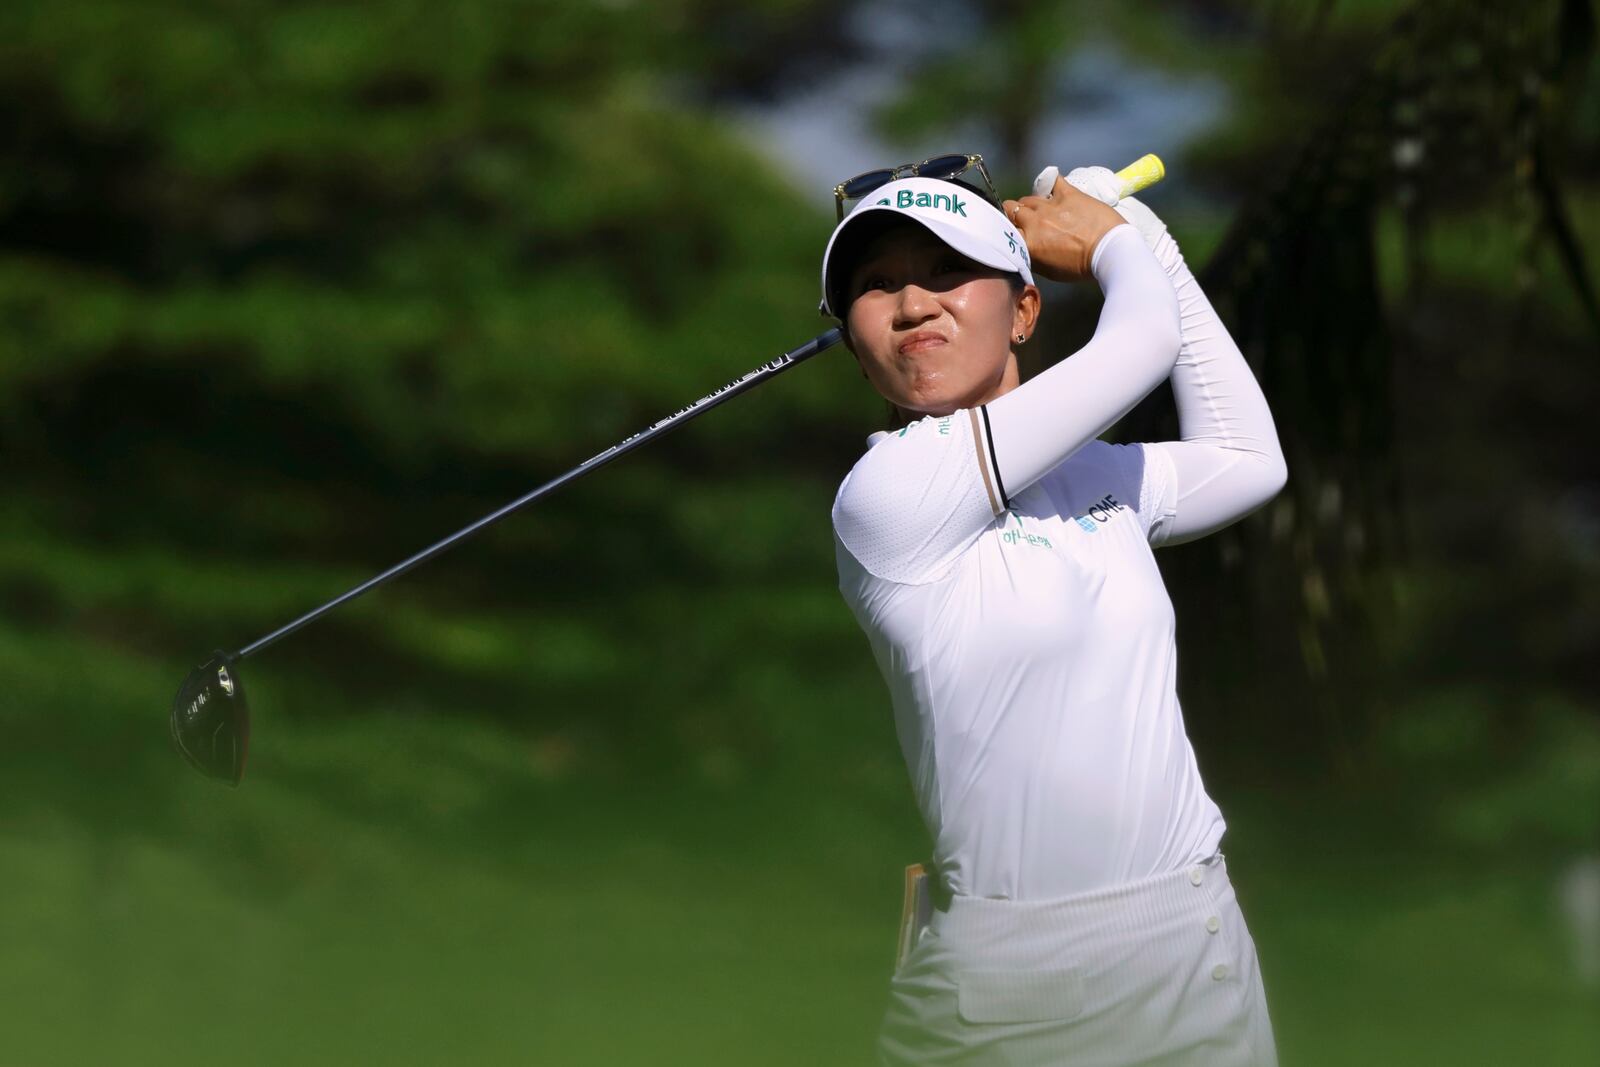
pixel 406 880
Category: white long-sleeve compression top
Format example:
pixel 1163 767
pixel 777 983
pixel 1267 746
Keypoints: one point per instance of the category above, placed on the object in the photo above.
pixel 1227 462
pixel 999 561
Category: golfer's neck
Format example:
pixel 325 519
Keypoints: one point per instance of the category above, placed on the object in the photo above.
pixel 1010 378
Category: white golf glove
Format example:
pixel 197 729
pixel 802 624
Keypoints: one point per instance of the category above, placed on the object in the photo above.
pixel 1106 187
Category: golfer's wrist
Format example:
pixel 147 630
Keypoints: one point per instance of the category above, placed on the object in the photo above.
pixel 1106 240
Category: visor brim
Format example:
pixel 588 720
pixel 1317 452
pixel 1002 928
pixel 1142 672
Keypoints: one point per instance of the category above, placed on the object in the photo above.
pixel 870 221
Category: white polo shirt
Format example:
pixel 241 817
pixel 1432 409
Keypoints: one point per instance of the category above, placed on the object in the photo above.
pixel 1029 656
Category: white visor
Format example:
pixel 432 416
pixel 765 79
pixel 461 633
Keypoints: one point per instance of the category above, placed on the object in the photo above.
pixel 951 212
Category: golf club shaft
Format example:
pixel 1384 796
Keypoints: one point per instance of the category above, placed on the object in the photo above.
pixel 822 341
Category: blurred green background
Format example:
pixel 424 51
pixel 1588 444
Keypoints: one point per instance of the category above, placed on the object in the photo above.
pixel 288 290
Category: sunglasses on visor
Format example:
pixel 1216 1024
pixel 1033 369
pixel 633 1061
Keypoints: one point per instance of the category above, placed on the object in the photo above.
pixel 945 168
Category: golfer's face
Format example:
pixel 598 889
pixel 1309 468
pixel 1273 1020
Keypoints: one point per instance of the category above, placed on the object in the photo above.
pixel 930 327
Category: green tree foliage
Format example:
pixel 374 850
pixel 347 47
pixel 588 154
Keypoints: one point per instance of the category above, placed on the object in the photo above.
pixel 309 281
pixel 289 290
pixel 325 242
pixel 1453 108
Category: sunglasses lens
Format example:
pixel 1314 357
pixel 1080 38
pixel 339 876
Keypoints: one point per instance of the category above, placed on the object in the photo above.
pixel 943 167
pixel 862 184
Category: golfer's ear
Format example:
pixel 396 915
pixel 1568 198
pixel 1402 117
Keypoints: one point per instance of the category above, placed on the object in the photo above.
pixel 1025 314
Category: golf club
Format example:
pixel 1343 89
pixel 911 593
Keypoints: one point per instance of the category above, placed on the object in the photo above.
pixel 210 718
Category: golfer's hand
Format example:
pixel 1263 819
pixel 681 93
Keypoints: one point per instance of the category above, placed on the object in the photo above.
pixel 1061 230
pixel 1104 186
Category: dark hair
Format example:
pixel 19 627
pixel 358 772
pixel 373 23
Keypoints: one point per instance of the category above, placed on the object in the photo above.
pixel 978 191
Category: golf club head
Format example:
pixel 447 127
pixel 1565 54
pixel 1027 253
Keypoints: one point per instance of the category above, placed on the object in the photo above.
pixel 211 721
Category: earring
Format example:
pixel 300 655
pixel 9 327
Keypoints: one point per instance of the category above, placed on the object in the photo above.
pixel 1021 339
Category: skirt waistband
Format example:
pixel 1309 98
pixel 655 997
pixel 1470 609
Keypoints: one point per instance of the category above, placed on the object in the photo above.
pixel 1143 904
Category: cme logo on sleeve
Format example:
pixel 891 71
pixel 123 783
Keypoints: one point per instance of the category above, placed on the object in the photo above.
pixel 1099 513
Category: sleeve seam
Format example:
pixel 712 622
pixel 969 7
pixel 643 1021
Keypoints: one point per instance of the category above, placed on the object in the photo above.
pixel 994 458
pixel 986 466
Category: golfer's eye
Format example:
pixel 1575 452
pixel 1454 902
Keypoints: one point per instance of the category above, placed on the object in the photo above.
pixel 952 265
pixel 872 282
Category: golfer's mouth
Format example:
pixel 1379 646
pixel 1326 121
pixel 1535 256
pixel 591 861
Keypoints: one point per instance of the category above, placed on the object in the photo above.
pixel 920 342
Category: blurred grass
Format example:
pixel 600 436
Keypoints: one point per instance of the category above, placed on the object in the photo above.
pixel 411 876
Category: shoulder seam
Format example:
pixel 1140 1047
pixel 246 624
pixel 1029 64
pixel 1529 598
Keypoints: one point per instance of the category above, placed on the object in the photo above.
pixel 985 463
pixel 994 459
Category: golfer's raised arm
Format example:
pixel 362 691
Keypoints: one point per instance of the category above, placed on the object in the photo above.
pixel 1228 462
pixel 1041 423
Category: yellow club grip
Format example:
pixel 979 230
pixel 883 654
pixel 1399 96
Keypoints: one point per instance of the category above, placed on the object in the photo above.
pixel 1141 174
pixel 1136 177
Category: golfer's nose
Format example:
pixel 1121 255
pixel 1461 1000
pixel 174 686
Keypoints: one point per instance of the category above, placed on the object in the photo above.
pixel 916 305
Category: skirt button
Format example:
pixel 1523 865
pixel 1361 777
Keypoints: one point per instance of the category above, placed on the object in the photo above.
pixel 1196 875
pixel 1219 972
pixel 1212 925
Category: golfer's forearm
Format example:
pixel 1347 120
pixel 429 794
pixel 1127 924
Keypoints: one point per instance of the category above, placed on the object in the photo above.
pixel 1041 423
pixel 1219 402
pixel 1228 462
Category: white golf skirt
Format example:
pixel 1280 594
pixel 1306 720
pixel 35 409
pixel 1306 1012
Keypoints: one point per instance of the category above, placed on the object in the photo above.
pixel 1159 971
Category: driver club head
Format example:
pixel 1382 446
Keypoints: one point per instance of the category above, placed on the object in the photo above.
pixel 211 721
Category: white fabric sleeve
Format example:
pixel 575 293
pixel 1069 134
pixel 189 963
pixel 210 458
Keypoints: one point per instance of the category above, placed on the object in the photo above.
pixel 1228 462
pixel 1041 423
pixel 920 498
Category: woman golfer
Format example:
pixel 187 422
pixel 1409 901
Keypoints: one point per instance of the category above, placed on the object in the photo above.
pixel 998 557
